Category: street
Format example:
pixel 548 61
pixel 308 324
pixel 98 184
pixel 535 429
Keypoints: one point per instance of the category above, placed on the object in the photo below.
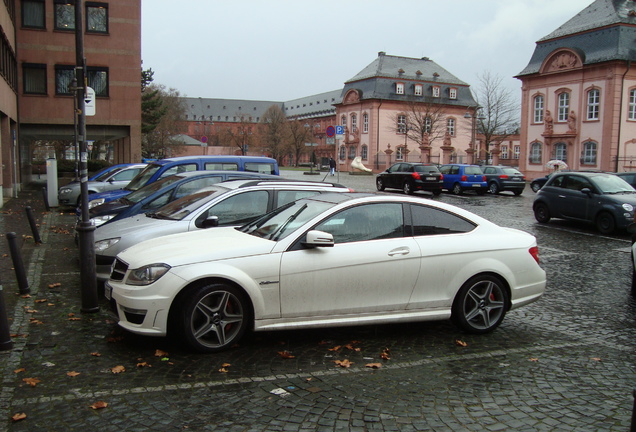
pixel 563 363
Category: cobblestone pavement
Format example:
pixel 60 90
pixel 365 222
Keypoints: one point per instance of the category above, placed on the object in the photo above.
pixel 564 363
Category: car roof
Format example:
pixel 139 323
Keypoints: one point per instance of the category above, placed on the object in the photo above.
pixel 205 173
pixel 280 182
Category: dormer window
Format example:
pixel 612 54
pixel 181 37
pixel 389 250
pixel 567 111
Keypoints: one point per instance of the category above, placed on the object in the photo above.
pixel 418 89
pixel 452 93
pixel 399 88
pixel 435 91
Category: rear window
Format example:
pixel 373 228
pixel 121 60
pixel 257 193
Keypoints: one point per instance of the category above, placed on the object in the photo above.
pixel 472 170
pixel 511 171
pixel 426 169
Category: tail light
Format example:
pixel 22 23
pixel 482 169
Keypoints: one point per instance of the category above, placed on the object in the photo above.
pixel 503 177
pixel 483 178
pixel 464 178
pixel 441 176
pixel 534 251
pixel 416 175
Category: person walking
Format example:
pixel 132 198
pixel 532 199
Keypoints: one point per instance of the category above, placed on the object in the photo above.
pixel 332 166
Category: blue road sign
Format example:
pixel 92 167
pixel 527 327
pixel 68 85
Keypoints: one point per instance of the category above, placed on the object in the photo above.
pixel 339 130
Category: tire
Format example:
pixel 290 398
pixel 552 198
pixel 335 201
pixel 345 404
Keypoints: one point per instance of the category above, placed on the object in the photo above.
pixel 493 188
pixel 535 187
pixel 517 192
pixel 541 213
pixel 605 223
pixel 437 192
pixel 480 304
pixel 379 184
pixel 457 189
pixel 211 318
pixel 407 188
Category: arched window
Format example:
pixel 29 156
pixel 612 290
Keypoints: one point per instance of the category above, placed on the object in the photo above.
pixel 560 152
pixel 538 109
pixel 364 152
pixel 564 106
pixel 535 153
pixel 343 152
pixel 593 104
pixel 589 153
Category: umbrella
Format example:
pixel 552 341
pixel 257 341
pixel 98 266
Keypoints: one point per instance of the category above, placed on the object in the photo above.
pixel 556 164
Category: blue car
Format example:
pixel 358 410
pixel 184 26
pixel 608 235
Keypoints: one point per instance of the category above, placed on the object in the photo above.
pixel 462 177
pixel 159 193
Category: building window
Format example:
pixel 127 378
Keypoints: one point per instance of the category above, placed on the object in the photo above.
pixel 564 107
pixel 560 152
pixel 343 152
pixel 354 122
pixel 435 91
pixel 64 14
pixel 399 88
pixel 401 124
pixel 538 109
pixel 364 152
pixel 535 153
pixel 98 80
pixel 452 93
pixel 352 152
pixel 517 152
pixel 632 104
pixel 343 121
pixel 399 154
pixel 428 123
pixel 418 89
pixel 593 104
pixel 34 78
pixel 589 153
pixel 33 14
pixel 63 78
pixel 365 122
pixel 504 152
pixel 96 17
pixel 450 126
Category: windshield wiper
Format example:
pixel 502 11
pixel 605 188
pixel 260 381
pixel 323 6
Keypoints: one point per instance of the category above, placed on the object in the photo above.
pixel 274 236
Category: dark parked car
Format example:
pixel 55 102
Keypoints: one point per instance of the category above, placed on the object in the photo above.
pixel 411 177
pixel 538 183
pixel 629 177
pixel 164 191
pixel 461 177
pixel 503 178
pixel 599 198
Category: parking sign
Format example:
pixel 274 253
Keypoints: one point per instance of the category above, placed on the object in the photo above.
pixel 339 130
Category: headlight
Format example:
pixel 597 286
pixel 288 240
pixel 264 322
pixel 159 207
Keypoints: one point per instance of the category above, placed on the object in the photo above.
pixel 628 207
pixel 65 190
pixel 147 274
pixel 101 220
pixel 95 203
pixel 102 245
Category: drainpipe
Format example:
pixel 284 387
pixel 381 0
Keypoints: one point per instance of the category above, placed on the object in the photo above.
pixel 620 115
pixel 377 139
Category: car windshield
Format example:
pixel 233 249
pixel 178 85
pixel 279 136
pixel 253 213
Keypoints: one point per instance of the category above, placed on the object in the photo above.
pixel 182 207
pixel 142 178
pixel 611 184
pixel 146 191
pixel 103 176
pixel 283 221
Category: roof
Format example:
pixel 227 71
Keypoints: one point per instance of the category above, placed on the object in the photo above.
pixel 225 110
pixel 604 31
pixel 320 105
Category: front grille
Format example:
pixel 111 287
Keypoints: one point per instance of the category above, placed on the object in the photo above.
pixel 118 270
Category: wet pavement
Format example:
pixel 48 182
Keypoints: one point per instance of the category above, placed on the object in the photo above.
pixel 564 363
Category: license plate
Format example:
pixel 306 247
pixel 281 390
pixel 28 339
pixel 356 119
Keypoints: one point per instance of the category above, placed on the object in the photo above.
pixel 431 178
pixel 476 185
pixel 108 291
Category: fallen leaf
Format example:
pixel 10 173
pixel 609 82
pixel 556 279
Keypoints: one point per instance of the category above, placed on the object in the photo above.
pixel 75 319
pixel 72 374
pixel 143 364
pixel 118 369
pixel 596 358
pixel 226 365
pixel 31 381
pixel 99 405
pixel 461 343
pixel 336 348
pixel 374 365
pixel 533 359
pixel 18 416
pixel 160 353
pixel 19 370
pixel 26 296
pixel 96 354
pixel 223 370
pixel 286 355
pixel 40 301
pixel 55 285
pixel 343 363
pixel 386 354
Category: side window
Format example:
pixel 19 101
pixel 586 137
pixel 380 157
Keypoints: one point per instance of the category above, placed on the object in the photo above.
pixel 432 221
pixel 194 185
pixel 259 167
pixel 577 183
pixel 489 171
pixel 558 182
pixel 179 169
pixel 238 209
pixel 126 175
pixel 454 169
pixel 285 197
pixel 365 222
pixel 445 169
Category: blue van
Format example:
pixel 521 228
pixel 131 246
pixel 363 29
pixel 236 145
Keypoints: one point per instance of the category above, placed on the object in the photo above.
pixel 166 167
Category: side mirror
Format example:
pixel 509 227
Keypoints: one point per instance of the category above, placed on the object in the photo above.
pixel 316 238
pixel 587 191
pixel 210 222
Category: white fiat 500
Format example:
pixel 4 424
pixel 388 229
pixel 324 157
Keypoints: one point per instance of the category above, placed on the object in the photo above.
pixel 327 260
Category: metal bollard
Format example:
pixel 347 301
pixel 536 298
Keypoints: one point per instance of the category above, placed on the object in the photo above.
pixel 34 227
pixel 18 265
pixel 5 336
pixel 45 195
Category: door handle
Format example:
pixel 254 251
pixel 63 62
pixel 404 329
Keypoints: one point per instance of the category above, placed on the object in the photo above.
pixel 400 251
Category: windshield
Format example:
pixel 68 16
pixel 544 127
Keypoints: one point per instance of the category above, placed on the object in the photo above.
pixel 142 178
pixel 182 207
pixel 283 221
pixel 611 184
pixel 148 190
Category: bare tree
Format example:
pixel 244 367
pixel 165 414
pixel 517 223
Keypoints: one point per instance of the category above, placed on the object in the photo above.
pixel 240 135
pixel 299 133
pixel 162 141
pixel 499 110
pixel 273 132
pixel 419 119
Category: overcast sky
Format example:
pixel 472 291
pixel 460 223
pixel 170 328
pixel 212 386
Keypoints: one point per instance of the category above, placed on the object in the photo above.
pixel 280 50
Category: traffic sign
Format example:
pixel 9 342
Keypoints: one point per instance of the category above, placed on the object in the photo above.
pixel 89 99
pixel 331 131
pixel 339 130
